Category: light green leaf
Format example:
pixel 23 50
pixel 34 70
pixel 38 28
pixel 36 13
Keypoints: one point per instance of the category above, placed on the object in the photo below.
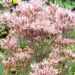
pixel 1 28
pixel 1 1
pixel 1 68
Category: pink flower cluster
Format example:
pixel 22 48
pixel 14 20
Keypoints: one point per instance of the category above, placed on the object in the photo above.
pixel 24 55
pixel 44 68
pixel 33 21
pixel 65 19
pixel 9 43
pixel 69 54
pixel 54 54
pixel 32 16
pixel 64 41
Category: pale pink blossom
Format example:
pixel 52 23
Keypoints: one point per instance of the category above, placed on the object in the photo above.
pixel 64 41
pixel 44 68
pixel 25 55
pixel 55 53
pixel 9 43
pixel 29 16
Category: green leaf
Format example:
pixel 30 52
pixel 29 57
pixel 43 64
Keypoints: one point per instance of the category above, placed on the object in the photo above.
pixel 73 67
pixel 69 6
pixel 71 34
pixel 23 42
pixel 1 1
pixel 2 28
pixel 73 3
pixel 59 2
pixel 1 68
pixel 1 7
pixel 70 68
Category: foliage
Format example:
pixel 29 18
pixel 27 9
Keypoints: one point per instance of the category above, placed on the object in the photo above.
pixel 70 4
pixel 2 68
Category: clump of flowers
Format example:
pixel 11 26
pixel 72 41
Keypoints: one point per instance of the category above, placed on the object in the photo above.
pixel 64 41
pixel 44 68
pixel 35 23
pixel 9 43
